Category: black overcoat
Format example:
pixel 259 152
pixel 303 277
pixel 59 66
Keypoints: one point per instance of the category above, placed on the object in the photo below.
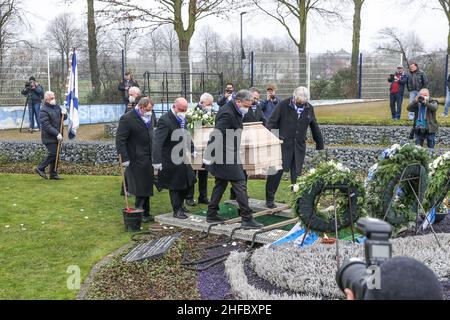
pixel 173 176
pixel 293 131
pixel 228 121
pixel 255 115
pixel 134 144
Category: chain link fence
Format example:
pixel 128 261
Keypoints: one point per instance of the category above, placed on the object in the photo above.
pixel 168 75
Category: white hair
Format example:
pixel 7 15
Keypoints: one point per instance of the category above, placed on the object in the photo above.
pixel 48 94
pixel 205 97
pixel 302 93
pixel 134 90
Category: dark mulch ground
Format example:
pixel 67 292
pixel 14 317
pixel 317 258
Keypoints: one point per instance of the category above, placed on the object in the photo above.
pixel 441 227
pixel 163 279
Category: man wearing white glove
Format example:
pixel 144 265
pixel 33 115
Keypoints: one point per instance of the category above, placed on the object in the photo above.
pixel 50 119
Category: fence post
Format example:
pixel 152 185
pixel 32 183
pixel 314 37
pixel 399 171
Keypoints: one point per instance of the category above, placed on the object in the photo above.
pixel 446 75
pixel 308 71
pixel 252 69
pixel 360 76
pixel 123 64
pixel 48 70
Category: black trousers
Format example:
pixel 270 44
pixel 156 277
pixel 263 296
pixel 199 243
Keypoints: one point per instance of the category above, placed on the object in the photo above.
pixel 240 189
pixel 202 186
pixel 50 161
pixel 177 198
pixel 273 182
pixel 232 194
pixel 143 203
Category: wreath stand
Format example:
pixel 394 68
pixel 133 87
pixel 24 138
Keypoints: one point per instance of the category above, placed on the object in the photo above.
pixel 419 204
pixel 349 197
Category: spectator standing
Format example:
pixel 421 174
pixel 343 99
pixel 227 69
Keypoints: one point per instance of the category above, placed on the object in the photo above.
pixel 397 90
pixel 270 103
pixel 417 80
pixel 124 87
pixel 35 94
pixel 228 96
pixel 425 123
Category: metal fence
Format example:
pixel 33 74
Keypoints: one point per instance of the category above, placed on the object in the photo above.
pixel 326 74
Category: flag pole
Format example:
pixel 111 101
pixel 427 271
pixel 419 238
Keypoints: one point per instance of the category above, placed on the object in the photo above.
pixel 61 129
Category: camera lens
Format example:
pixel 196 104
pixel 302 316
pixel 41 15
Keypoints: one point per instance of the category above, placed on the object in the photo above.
pixel 352 275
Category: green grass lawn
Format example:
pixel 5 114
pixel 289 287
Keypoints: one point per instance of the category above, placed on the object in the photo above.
pixel 369 113
pixel 54 225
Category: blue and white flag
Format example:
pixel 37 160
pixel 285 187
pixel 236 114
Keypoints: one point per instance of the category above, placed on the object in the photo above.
pixel 72 98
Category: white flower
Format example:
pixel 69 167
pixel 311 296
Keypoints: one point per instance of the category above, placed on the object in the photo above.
pixel 296 188
pixel 205 117
pixel 312 171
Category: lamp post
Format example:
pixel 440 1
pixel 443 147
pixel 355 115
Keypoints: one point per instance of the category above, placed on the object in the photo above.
pixel 242 45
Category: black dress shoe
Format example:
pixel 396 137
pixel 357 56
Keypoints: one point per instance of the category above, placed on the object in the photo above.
pixel 180 215
pixel 215 219
pixel 147 219
pixel 41 173
pixel 271 205
pixel 251 224
pixel 55 177
pixel 191 202
pixel 203 201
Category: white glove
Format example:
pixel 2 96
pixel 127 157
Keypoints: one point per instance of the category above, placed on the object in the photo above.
pixel 59 137
pixel 126 164
pixel 195 154
pixel 157 167
pixel 63 111
pixel 207 162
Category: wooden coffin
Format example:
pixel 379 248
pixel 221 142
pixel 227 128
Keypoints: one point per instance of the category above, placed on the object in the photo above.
pixel 260 149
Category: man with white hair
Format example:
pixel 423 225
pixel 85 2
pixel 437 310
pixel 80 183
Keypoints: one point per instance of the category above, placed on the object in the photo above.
pixel 50 119
pixel 205 105
pixel 292 118
pixel 134 95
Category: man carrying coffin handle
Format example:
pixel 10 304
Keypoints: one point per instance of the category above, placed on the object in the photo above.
pixel 134 144
pixel 172 146
pixel 292 118
pixel 223 161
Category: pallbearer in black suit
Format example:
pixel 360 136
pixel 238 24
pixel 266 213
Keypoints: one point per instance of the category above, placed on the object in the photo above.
pixel 292 117
pixel 205 105
pixel 134 144
pixel 223 160
pixel 172 158
pixel 255 113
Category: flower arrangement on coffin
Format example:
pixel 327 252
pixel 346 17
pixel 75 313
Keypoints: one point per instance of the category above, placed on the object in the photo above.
pixel 438 183
pixel 310 187
pixel 198 118
pixel 386 196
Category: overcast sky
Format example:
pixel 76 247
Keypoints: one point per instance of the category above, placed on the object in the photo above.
pixel 431 26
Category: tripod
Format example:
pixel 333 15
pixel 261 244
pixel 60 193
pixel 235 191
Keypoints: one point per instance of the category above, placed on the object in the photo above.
pixel 24 111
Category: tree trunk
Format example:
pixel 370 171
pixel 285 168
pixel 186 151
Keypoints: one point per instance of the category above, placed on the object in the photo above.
pixel 448 39
pixel 184 65
pixel 92 43
pixel 303 23
pixel 355 49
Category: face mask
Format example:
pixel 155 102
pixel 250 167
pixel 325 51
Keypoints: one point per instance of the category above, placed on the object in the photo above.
pixel 132 99
pixel 148 114
pixel 53 102
pixel 181 115
pixel 243 110
pixel 208 108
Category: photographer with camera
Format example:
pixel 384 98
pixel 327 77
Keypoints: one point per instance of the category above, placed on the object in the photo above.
pixel 417 80
pixel 35 94
pixel 228 96
pixel 425 123
pixel 382 277
pixel 270 103
pixel 397 90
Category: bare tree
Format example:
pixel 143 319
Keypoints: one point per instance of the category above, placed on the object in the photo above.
pixel 153 44
pixel 157 13
pixel 124 35
pixel 64 36
pixel 93 50
pixel 408 45
pixel 356 40
pixel 284 11
pixel 11 22
pixel 170 43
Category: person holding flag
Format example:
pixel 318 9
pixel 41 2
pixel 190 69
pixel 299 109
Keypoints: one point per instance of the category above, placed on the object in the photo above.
pixel 51 117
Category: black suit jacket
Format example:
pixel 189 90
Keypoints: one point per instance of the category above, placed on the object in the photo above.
pixel 293 131
pixel 255 115
pixel 227 166
pixel 134 144
pixel 174 176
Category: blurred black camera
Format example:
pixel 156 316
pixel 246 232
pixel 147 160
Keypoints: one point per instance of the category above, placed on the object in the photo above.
pixel 421 99
pixel 391 77
pixel 230 91
pixel 354 273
